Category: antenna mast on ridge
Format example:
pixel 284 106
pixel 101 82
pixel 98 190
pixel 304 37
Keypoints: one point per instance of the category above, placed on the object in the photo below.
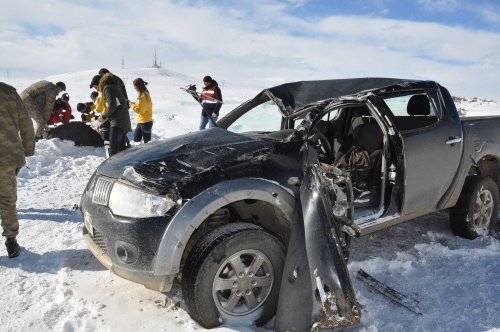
pixel 155 63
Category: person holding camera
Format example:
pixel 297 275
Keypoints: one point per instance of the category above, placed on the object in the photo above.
pixel 210 100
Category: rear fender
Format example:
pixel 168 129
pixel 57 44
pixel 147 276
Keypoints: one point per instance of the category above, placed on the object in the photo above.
pixel 486 149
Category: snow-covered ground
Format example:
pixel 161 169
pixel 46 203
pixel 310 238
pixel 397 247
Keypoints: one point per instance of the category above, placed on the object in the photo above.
pixel 57 285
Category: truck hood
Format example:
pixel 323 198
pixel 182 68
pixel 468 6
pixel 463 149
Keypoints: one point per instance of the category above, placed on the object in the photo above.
pixel 196 158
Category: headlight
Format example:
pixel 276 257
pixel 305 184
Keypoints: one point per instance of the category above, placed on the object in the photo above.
pixel 127 201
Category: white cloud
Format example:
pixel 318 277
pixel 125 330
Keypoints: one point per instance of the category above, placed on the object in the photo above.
pixel 298 3
pixel 254 44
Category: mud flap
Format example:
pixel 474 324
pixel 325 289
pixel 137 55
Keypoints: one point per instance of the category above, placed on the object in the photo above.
pixel 316 290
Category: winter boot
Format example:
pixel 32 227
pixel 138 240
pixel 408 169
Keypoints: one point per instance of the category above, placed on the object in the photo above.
pixel 13 248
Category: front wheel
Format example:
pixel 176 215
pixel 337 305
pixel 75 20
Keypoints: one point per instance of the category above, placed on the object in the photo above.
pixel 234 274
pixel 476 210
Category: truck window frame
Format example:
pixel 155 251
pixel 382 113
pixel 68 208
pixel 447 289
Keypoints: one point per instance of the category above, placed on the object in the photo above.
pixel 437 108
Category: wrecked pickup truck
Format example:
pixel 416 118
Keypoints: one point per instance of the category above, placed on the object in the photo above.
pixel 255 217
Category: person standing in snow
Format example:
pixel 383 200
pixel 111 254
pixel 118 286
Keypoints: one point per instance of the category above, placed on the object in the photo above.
pixel 17 141
pixel 39 99
pixel 104 71
pixel 143 108
pixel 211 102
pixel 100 107
pixel 116 112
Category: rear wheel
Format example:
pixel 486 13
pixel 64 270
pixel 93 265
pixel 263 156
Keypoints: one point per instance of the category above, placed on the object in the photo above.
pixel 234 274
pixel 475 213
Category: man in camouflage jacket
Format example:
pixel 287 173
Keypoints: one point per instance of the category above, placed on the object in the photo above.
pixel 39 99
pixel 16 141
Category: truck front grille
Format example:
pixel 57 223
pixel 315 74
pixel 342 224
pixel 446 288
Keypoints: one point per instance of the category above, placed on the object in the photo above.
pixel 102 191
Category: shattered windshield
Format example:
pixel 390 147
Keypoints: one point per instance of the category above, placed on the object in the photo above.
pixel 264 117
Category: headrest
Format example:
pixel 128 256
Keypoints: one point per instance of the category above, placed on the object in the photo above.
pixel 418 105
pixel 368 136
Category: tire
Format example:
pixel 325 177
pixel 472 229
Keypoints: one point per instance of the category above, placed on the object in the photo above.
pixel 219 269
pixel 475 213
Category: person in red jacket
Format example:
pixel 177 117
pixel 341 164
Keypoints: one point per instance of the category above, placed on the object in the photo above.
pixel 61 111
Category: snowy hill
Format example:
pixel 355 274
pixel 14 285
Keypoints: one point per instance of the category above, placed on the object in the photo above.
pixel 57 285
pixel 476 107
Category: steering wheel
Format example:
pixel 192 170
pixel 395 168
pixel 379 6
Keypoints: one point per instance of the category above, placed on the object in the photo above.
pixel 322 146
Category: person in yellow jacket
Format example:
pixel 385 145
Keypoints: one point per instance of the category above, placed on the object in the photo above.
pixel 143 108
pixel 99 103
pixel 99 108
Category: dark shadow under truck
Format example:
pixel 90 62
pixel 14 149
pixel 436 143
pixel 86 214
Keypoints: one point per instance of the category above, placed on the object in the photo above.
pixel 255 217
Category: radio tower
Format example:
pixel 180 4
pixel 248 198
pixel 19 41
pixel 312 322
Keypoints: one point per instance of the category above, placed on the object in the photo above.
pixel 155 63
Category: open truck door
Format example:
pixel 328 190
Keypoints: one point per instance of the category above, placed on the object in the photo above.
pixel 316 290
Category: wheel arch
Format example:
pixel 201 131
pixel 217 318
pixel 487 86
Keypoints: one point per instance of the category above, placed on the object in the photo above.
pixel 484 161
pixel 487 163
pixel 199 208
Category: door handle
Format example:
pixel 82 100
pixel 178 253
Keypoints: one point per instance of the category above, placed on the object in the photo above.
pixel 454 140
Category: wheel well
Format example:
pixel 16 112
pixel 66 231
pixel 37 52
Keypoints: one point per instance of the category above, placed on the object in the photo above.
pixel 487 166
pixel 261 213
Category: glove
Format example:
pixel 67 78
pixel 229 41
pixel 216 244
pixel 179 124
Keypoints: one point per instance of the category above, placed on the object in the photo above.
pixel 192 87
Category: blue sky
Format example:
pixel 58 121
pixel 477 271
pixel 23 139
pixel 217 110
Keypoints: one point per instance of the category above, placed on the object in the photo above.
pixel 260 43
pixel 477 14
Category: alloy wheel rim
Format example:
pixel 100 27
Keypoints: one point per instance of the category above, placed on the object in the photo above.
pixel 483 209
pixel 243 282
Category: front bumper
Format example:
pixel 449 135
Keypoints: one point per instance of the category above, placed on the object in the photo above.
pixel 147 278
pixel 125 246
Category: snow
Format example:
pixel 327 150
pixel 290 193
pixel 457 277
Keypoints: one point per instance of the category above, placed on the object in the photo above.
pixel 57 285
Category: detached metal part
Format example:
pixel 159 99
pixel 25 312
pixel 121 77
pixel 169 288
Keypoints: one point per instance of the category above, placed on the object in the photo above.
pixel 316 290
pixel 391 293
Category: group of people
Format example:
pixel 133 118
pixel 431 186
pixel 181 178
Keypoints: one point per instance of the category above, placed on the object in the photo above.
pixel 25 117
pixel 109 108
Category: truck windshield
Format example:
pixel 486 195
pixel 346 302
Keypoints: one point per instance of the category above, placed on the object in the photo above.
pixel 264 117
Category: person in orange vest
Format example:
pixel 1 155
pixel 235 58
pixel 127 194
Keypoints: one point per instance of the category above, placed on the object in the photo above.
pixel 211 102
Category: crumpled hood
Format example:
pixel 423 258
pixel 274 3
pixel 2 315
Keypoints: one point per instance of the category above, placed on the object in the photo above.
pixel 175 162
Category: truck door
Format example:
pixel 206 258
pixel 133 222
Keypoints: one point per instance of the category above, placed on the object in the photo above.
pixel 432 147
